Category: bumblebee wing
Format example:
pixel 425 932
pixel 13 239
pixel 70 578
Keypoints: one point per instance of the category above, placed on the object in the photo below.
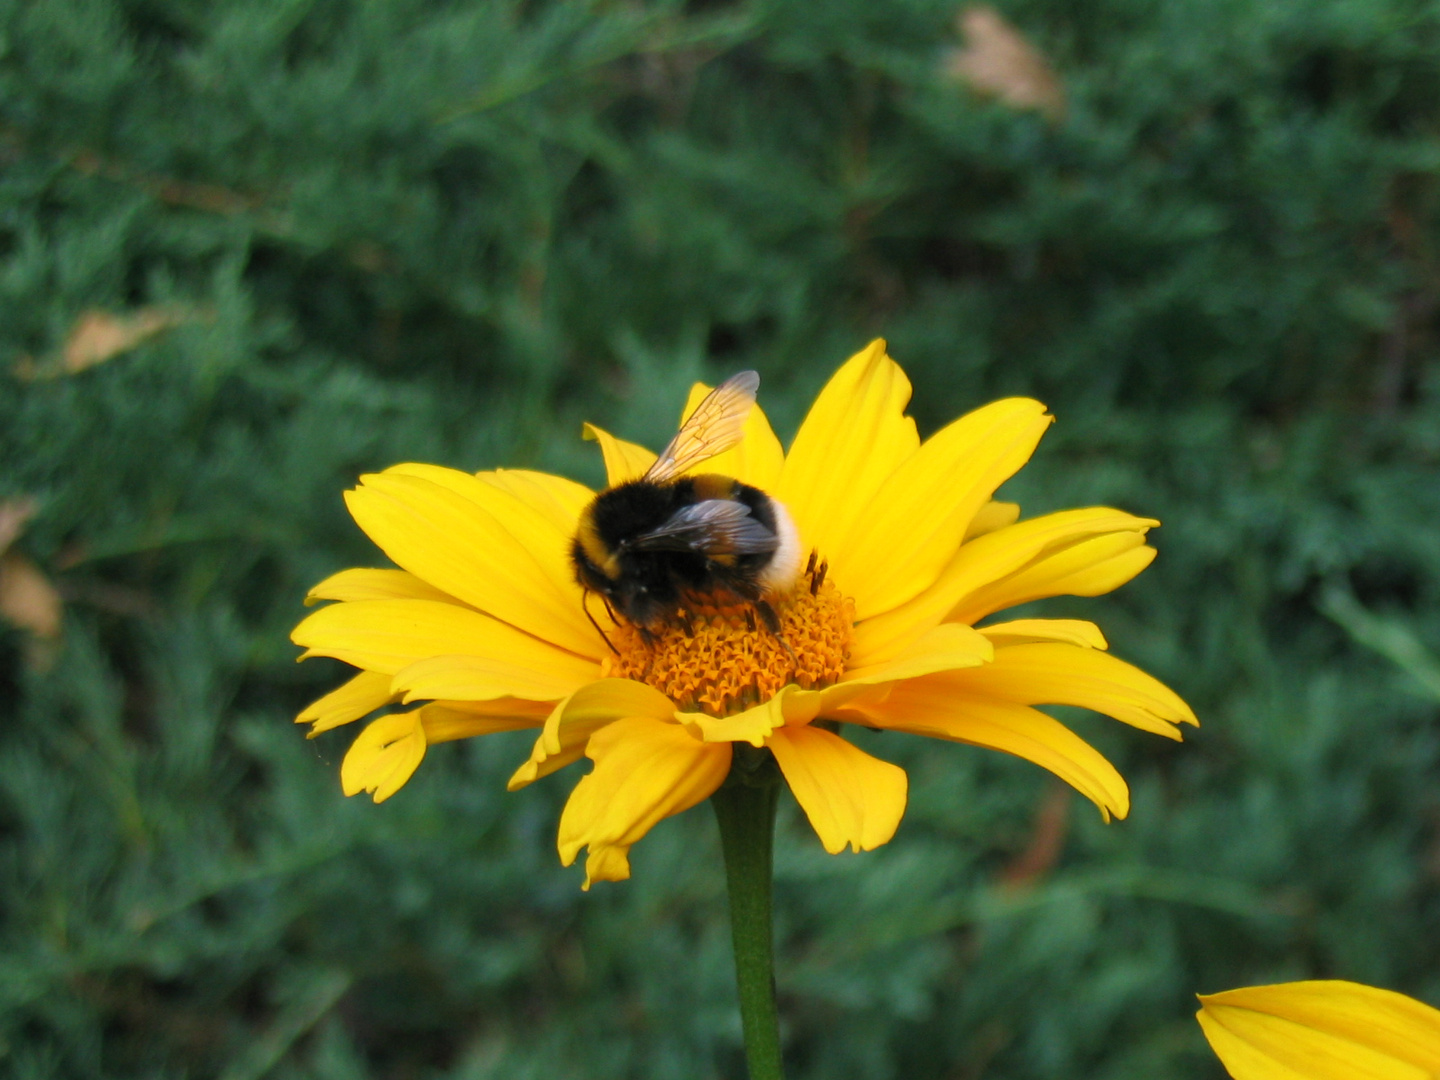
pixel 711 527
pixel 714 427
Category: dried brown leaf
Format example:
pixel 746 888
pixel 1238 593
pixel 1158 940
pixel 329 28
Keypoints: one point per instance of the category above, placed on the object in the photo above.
pixel 15 514
pixel 999 61
pixel 27 599
pixel 99 335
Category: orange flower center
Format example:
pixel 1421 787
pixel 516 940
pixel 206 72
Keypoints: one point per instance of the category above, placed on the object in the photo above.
pixel 725 660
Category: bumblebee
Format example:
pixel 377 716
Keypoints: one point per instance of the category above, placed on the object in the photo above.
pixel 648 546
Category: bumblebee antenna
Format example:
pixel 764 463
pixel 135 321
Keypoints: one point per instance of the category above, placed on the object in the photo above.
pixel 585 607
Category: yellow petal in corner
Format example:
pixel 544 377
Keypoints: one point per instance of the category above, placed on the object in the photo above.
pixel 1322 1030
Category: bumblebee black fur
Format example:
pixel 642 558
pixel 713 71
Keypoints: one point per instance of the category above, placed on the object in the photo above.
pixel 649 585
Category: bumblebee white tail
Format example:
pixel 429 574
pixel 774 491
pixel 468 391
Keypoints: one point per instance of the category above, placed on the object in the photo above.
pixel 784 566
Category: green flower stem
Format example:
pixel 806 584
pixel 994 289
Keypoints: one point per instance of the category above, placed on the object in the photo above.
pixel 745 809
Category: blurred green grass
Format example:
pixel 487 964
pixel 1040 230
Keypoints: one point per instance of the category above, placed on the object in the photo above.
pixel 404 230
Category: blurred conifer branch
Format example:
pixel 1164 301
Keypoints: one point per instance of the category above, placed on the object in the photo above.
pixel 1387 637
pixel 639 33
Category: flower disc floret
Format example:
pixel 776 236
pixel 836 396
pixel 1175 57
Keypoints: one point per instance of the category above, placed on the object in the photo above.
pixel 724 660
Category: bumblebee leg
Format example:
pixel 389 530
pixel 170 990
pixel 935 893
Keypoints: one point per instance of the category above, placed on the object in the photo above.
pixel 794 663
pixel 819 578
pixel 772 623
pixel 608 609
pixel 649 640
pixel 585 606
pixel 687 621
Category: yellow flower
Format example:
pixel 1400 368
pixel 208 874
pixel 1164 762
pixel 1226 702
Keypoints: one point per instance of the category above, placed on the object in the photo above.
pixel 1322 1031
pixel 484 625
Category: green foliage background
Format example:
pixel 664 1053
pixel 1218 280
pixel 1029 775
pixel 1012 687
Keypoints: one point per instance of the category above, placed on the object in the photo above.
pixel 448 231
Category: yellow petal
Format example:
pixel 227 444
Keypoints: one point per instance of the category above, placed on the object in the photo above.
pixel 1322 1030
pixel 1085 567
pixel 444 723
pixel 384 755
pixel 914 524
pixel 364 584
pixel 606 863
pixel 854 437
pixel 754 725
pixel 363 694
pixel 941 648
pixel 390 635
pixel 849 796
pixel 538 510
pixel 623 460
pixel 1025 631
pixel 978 563
pixel 1056 674
pixel 793 706
pixel 645 771
pixel 993 515
pixel 756 460
pixel 553 497
pixel 478 678
pixel 532 713
pixel 480 544
pixel 936 708
pixel 572 722
pixel 847 695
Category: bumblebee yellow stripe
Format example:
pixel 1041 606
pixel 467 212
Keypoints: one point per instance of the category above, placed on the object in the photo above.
pixel 594 548
pixel 713 486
